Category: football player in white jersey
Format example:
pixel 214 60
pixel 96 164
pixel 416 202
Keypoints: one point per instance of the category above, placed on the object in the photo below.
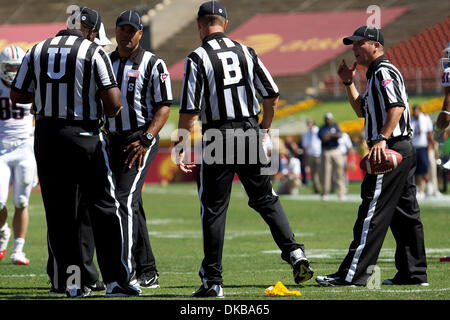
pixel 17 162
pixel 443 119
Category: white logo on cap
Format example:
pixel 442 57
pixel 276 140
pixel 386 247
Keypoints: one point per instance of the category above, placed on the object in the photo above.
pixel 220 10
pixel 83 18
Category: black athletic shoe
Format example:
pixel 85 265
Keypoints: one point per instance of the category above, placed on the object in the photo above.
pixel 214 290
pixel 332 280
pixel 393 282
pixel 54 290
pixel 300 266
pixel 97 286
pixel 115 289
pixel 148 279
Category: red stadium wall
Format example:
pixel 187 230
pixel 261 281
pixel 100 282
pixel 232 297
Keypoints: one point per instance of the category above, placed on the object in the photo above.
pixel 296 43
pixel 164 170
pixel 26 35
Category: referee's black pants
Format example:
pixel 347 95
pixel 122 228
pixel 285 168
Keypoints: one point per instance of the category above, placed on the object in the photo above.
pixel 388 200
pixel 129 184
pixel 73 168
pixel 214 183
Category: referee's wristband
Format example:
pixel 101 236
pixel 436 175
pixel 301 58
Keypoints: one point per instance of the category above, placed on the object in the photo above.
pixel 347 83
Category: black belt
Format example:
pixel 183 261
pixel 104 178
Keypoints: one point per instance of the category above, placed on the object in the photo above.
pixel 245 123
pixel 390 141
pixel 66 122
pixel 127 132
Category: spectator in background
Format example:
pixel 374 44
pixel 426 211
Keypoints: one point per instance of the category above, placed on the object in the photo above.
pixel 348 154
pixel 422 140
pixel 312 145
pixel 332 161
pixel 295 148
pixel 360 145
pixel 433 155
pixel 290 172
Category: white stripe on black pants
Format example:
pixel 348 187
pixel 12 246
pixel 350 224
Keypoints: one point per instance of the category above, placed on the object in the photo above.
pixel 388 200
pixel 73 168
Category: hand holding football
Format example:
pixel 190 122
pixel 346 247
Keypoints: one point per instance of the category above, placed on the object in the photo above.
pixel 392 160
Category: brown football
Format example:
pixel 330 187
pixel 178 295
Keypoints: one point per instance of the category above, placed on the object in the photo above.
pixel 390 163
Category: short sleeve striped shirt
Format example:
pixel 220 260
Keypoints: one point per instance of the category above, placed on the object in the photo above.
pixel 144 82
pixel 66 73
pixel 222 78
pixel 385 89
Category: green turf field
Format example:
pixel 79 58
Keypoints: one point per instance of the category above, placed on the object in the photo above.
pixel 251 259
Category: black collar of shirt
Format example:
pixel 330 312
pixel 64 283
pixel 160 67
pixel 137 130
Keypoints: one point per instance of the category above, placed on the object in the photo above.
pixel 215 35
pixel 373 66
pixel 70 32
pixel 135 57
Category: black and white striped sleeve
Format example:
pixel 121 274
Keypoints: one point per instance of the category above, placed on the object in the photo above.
pixel 263 80
pixel 104 75
pixel 162 93
pixel 390 87
pixel 23 82
pixel 192 89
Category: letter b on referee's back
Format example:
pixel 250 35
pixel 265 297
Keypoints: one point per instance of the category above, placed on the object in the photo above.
pixel 232 73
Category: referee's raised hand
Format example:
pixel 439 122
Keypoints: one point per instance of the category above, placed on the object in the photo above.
pixel 345 73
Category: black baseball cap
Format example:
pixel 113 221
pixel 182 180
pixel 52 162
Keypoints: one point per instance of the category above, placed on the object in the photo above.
pixel 365 32
pixel 212 8
pixel 90 18
pixel 130 17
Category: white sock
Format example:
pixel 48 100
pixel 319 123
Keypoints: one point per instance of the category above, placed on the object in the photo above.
pixel 5 227
pixel 18 244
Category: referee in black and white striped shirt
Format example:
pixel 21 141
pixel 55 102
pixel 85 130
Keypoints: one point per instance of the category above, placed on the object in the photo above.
pixel 388 200
pixel 134 141
pixel 222 78
pixel 70 78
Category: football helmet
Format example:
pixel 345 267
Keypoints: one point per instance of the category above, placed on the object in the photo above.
pixel 445 61
pixel 10 59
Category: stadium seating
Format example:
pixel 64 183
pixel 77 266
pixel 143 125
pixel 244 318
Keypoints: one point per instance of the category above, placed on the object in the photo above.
pixel 417 58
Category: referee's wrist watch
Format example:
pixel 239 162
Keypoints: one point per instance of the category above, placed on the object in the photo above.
pixel 381 137
pixel 146 139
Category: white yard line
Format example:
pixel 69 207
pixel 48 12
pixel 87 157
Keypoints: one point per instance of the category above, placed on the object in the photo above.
pixel 345 289
pixel 31 275
pixel 443 201
pixel 228 235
